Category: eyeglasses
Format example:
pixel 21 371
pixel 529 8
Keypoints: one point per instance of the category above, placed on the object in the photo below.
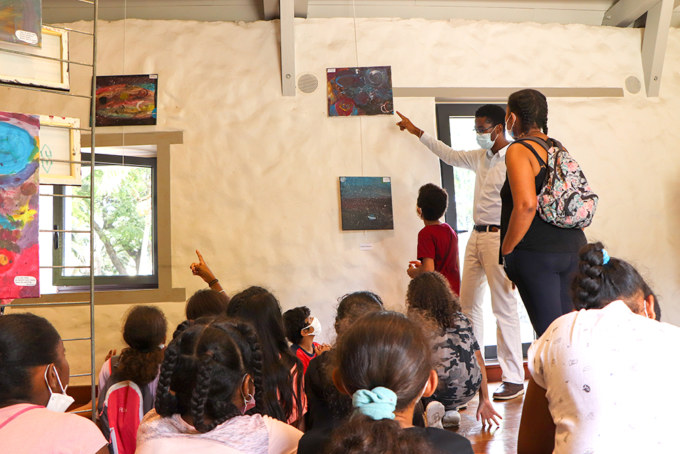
pixel 483 130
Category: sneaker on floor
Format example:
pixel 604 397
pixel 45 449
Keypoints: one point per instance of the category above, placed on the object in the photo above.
pixel 434 414
pixel 507 391
pixel 451 419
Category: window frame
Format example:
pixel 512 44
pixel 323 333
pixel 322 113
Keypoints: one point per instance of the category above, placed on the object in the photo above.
pixel 79 283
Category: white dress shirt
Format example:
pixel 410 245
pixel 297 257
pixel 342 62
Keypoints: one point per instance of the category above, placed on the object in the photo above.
pixel 490 170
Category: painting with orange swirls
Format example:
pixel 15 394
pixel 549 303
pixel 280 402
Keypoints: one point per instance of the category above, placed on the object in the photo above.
pixel 19 260
pixel 126 100
pixel 359 91
pixel 21 22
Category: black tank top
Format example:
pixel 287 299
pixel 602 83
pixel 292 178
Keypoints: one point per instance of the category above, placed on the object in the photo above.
pixel 541 236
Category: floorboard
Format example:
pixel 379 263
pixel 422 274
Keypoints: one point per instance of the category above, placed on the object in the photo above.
pixel 495 439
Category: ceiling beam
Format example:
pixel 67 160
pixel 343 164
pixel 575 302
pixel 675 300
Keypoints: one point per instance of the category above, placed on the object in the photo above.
pixel 271 9
pixel 287 8
pixel 624 12
pixel 654 44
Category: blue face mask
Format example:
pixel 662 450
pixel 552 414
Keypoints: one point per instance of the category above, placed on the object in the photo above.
pixel 509 128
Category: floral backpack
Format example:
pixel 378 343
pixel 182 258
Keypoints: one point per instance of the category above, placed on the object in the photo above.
pixel 566 199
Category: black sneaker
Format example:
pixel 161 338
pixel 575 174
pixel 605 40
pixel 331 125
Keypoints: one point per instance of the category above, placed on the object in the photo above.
pixel 507 391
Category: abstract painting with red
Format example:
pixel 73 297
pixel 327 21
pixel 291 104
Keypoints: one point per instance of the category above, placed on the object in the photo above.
pixel 19 259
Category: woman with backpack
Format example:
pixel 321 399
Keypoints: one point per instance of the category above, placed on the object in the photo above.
pixel 538 256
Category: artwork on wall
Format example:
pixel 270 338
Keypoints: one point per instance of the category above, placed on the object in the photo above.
pixel 127 100
pixel 19 264
pixel 21 22
pixel 59 141
pixel 31 69
pixel 359 91
pixel 366 203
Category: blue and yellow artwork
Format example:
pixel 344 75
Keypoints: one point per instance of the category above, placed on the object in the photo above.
pixel 359 91
pixel 366 203
pixel 127 100
pixel 19 258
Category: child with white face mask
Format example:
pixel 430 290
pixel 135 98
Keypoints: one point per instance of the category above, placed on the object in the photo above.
pixel 301 329
pixel 35 375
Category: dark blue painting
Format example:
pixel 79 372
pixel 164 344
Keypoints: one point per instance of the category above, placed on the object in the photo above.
pixel 366 203
pixel 359 91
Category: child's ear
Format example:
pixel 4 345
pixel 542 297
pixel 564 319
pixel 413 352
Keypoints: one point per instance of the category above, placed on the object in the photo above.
pixel 337 381
pixel 431 385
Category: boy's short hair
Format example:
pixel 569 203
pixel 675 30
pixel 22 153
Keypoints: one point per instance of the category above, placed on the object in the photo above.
pixel 432 201
pixel 294 320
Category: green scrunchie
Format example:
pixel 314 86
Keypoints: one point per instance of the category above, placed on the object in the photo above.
pixel 377 404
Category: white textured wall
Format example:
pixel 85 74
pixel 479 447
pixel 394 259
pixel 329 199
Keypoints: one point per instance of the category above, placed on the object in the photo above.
pixel 255 187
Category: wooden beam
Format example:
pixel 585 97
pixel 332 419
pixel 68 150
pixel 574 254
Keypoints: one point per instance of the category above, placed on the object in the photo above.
pixel 494 94
pixel 654 44
pixel 287 8
pixel 624 12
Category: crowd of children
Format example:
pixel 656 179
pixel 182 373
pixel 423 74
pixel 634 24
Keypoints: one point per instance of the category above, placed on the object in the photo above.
pixel 240 376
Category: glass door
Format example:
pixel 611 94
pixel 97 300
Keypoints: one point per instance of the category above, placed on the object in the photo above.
pixel 455 125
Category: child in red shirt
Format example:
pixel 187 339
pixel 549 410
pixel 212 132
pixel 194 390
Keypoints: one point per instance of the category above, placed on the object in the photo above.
pixel 301 328
pixel 437 242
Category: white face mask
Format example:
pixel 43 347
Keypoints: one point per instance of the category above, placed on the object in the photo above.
pixel 316 324
pixel 484 141
pixel 59 402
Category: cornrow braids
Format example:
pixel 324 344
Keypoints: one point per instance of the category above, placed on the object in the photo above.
pixel 166 402
pixel 262 405
pixel 531 107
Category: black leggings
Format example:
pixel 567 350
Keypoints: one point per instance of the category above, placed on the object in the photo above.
pixel 543 280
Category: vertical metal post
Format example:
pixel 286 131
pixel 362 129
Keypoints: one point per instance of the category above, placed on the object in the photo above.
pixel 287 22
pixel 93 105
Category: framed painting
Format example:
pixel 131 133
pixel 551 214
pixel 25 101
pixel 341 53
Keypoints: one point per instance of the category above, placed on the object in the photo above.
pixel 21 22
pixel 19 258
pixel 359 91
pixel 28 68
pixel 126 100
pixel 366 203
pixel 59 150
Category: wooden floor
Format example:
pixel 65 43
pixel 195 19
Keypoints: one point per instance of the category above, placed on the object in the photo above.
pixel 495 439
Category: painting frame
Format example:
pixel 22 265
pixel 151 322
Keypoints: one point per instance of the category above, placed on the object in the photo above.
pixel 67 132
pixel 135 109
pixel 359 91
pixel 28 68
pixel 366 203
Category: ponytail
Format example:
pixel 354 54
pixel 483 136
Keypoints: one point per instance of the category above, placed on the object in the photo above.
pixel 602 279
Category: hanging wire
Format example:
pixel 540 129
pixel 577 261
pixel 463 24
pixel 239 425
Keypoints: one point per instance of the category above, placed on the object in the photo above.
pixel 356 56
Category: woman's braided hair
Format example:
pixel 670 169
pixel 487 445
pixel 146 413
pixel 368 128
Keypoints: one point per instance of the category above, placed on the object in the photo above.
pixel 531 108
pixel 600 281
pixel 204 368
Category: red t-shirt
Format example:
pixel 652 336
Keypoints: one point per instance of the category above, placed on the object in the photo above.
pixel 440 242
pixel 303 356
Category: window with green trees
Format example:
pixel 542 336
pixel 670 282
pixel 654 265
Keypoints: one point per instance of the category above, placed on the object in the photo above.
pixel 124 225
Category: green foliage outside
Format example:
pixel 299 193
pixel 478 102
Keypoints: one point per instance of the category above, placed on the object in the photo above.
pixel 122 222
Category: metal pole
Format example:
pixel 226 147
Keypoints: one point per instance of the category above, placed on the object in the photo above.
pixel 93 105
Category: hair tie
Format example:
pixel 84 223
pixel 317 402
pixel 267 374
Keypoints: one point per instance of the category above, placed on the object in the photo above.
pixel 605 257
pixel 379 403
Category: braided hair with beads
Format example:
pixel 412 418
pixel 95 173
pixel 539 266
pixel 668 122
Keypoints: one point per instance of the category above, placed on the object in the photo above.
pixel 204 368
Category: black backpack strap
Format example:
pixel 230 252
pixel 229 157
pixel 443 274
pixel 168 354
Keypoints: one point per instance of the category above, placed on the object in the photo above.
pixel 539 141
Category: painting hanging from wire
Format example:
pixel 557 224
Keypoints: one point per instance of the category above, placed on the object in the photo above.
pixel 21 21
pixel 366 203
pixel 19 152
pixel 127 100
pixel 359 91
